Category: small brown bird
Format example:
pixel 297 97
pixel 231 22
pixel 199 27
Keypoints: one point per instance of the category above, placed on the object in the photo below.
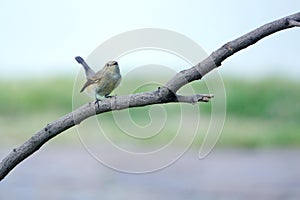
pixel 103 82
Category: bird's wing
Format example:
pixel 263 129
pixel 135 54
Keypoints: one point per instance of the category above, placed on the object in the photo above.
pixel 88 83
pixel 94 79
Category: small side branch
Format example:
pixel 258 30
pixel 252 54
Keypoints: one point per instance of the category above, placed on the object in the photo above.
pixel 293 23
pixel 195 98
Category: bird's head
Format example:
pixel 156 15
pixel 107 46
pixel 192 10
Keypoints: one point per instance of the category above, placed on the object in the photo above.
pixel 112 65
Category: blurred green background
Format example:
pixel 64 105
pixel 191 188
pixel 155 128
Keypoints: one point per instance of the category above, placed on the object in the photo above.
pixel 260 113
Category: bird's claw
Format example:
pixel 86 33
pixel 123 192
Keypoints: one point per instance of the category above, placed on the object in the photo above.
pixel 97 102
pixel 110 96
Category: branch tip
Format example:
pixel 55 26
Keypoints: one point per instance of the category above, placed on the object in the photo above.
pixel 205 97
pixel 293 23
pixel 194 98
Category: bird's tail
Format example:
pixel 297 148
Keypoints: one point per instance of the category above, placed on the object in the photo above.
pixel 88 71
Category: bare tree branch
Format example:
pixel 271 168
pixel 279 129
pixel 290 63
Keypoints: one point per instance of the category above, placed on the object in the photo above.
pixel 166 94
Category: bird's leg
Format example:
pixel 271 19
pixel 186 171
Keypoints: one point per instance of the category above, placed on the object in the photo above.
pixel 97 100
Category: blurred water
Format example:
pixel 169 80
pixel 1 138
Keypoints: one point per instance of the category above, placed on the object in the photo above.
pixel 70 173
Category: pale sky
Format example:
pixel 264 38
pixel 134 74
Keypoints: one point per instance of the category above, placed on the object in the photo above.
pixel 41 38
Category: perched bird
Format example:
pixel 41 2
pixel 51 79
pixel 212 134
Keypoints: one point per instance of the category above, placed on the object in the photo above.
pixel 103 82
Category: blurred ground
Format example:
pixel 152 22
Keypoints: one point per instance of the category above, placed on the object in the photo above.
pixel 70 173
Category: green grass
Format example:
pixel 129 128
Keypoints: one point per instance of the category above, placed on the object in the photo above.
pixel 270 98
pixel 254 132
pixel 36 96
pixel 260 113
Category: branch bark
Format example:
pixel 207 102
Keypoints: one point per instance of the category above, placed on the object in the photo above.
pixel 166 94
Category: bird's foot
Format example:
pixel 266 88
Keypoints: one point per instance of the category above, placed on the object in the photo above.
pixel 109 96
pixel 97 102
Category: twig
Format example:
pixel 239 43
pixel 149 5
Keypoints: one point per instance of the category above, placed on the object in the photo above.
pixel 293 23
